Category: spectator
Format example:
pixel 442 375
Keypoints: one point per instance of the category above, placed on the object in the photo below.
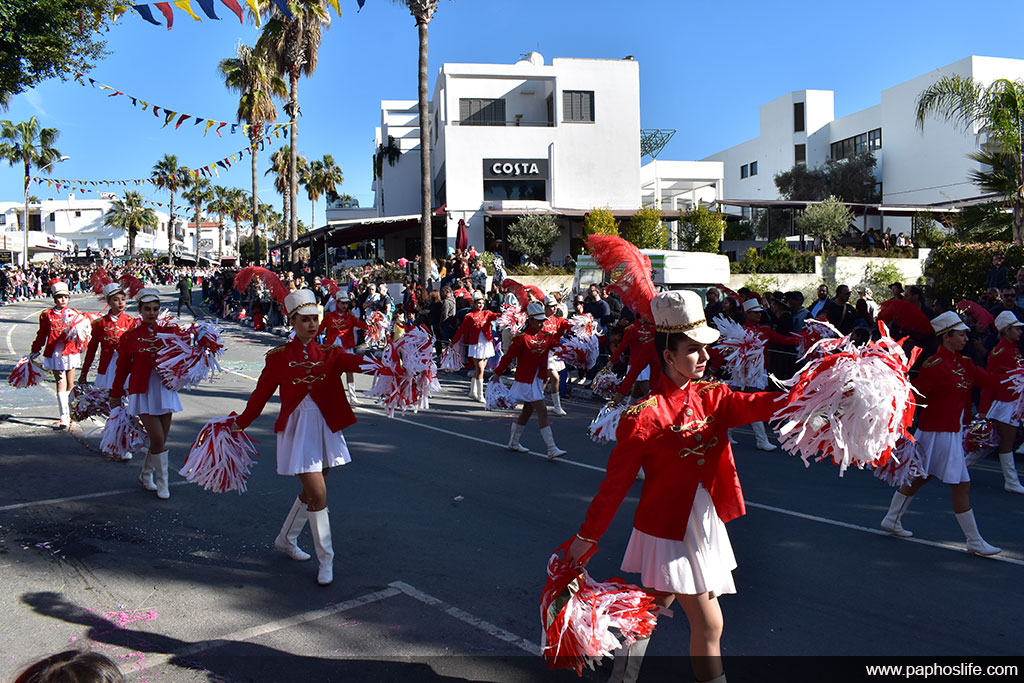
pixel 839 311
pixel 714 304
pixel 795 304
pixel 998 276
pixel 448 309
pixel 479 276
pixel 1009 303
pixel 819 305
pixel 864 294
pixel 896 289
pixel 598 307
pixel 1019 287
pixel 915 295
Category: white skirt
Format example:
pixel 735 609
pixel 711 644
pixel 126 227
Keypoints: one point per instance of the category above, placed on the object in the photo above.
pixel 521 392
pixel 480 351
pixel 700 563
pixel 645 375
pixel 58 361
pixel 555 364
pixel 158 399
pixel 1003 411
pixel 944 455
pixel 105 380
pixel 307 444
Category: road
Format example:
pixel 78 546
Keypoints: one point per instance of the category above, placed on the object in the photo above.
pixel 441 538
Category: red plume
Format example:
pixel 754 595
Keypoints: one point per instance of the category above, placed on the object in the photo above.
pixel 906 315
pixel 629 269
pixel 132 285
pixel 518 290
pixel 246 275
pixel 99 280
pixel 331 285
pixel 536 291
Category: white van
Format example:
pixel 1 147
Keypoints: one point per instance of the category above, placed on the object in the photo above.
pixel 694 270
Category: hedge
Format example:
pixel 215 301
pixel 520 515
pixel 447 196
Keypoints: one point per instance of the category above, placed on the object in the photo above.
pixel 960 271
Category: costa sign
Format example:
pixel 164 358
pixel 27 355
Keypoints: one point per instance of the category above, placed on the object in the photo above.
pixel 516 168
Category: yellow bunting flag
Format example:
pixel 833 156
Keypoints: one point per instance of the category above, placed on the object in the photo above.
pixel 334 4
pixel 209 122
pixel 186 5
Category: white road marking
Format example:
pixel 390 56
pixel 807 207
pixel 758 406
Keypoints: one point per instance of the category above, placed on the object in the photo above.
pixel 84 496
pixel 10 346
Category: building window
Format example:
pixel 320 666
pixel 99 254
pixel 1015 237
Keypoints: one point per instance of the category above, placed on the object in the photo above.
pixel 753 168
pixel 798 117
pixel 529 190
pixel 480 112
pixel 578 105
pixel 800 154
pixel 744 171
pixel 860 143
pixel 52 218
pixel 78 214
pixel 875 139
pixel 3 219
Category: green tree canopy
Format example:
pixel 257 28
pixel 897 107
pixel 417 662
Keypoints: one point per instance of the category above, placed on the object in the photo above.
pixel 129 214
pixel 600 222
pixel 534 235
pixel 701 230
pixel 645 229
pixel 826 221
pixel 850 180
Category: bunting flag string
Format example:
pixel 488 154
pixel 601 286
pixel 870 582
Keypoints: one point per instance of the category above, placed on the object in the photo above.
pixel 62 185
pixel 169 116
pixel 207 6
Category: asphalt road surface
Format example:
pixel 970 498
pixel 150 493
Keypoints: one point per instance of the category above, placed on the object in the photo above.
pixel 441 538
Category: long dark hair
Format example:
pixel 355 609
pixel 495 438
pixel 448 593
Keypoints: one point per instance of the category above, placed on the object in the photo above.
pixel 72 666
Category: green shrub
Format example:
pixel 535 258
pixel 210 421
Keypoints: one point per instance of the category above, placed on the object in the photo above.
pixel 777 257
pixel 960 271
pixel 645 229
pixel 879 276
pixel 740 231
pixel 539 270
pixel 761 283
pixel 534 235
pixel 927 231
pixel 701 230
pixel 600 222
pixel 826 222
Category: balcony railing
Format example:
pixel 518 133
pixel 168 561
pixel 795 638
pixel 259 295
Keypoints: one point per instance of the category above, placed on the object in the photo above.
pixel 514 123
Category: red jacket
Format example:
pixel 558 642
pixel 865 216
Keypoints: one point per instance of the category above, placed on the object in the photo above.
pixel 106 332
pixel 136 359
pixel 313 370
pixel 342 325
pixel 679 436
pixel 475 324
pixel 1003 358
pixel 946 380
pixel 531 351
pixel 639 339
pixel 53 326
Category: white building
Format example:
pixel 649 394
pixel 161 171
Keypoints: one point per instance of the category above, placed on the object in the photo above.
pixel 559 138
pixel 915 167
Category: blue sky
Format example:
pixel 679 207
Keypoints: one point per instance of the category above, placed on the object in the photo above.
pixel 705 68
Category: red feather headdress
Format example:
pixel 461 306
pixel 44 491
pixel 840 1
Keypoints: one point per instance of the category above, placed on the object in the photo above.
pixel 132 285
pixel 99 280
pixel 629 269
pixel 518 290
pixel 245 276
pixel 331 285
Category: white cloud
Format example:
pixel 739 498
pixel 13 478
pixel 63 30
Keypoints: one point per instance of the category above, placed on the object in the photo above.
pixel 33 98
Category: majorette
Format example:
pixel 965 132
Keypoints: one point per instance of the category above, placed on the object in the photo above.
pixel 557 327
pixel 61 341
pixel 106 333
pixel 475 333
pixel 339 329
pixel 1003 405
pixel 643 369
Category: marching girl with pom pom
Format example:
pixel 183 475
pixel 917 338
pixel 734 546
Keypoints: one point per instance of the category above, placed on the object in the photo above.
pixel 61 348
pixel 945 381
pixel 148 398
pixel 1002 404
pixel 106 333
pixel 679 544
pixel 313 413
pixel 475 333
pixel 530 349
pixel 639 339
pixel 339 329
pixel 555 326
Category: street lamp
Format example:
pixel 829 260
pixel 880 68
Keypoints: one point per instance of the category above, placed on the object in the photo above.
pixel 24 246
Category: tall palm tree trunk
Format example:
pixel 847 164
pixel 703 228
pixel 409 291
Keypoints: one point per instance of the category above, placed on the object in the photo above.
pixel 220 239
pixel 255 206
pixel 170 233
pixel 131 240
pixel 1018 219
pixel 425 231
pixel 293 161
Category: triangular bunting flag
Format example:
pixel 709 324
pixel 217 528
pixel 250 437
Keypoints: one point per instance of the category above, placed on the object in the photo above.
pixel 144 104
pixel 360 3
pixel 207 7
pixel 334 4
pixel 186 5
pixel 234 7
pixel 168 115
pixel 282 6
pixel 208 124
pixel 165 9
pixel 156 111
pixel 219 127
pixel 180 121
pixel 198 121
pixel 233 127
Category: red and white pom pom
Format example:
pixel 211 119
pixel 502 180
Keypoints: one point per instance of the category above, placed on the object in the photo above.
pixel 602 429
pixel 578 615
pixel 578 352
pixel 905 465
pixel 605 383
pixel 25 374
pixel 512 318
pixel 583 325
pixel 405 376
pixel 220 460
pixel 852 406
pixel 89 402
pixel 122 434
pixel 454 357
pixel 377 329
pixel 188 356
pixel 1015 380
pixel 79 328
pixel 496 397
pixel 743 349
pixel 167 319
pixel 814 331
pixel 980 437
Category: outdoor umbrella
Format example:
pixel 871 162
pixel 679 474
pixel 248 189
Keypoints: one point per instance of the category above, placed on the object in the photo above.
pixel 461 238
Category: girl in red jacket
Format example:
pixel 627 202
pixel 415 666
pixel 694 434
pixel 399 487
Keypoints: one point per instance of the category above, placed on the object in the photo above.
pixel 475 333
pixel 61 352
pixel 314 410
pixel 339 328
pixel 679 544
pixel 1000 405
pixel 106 333
pixel 147 396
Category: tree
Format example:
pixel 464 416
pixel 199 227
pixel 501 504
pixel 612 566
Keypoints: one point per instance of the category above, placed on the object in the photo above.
pixel 293 44
pixel 251 74
pixel 600 222
pixel 27 144
pixel 199 194
pixel 40 39
pixel 534 235
pixel 645 230
pixel 129 214
pixel 280 166
pixel 250 249
pixel 221 206
pixel 391 153
pixel 802 183
pixel 167 175
pixel 238 207
pixel 998 111
pixel 701 230
pixel 323 176
pixel 826 221
pixel 851 180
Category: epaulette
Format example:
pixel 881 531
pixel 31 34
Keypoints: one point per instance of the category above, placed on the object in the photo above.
pixel 997 351
pixel 703 387
pixel 635 410
pixel 276 349
pixel 934 360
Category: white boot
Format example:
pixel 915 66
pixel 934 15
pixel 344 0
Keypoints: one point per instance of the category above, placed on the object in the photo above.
pixel 320 525
pixel 1010 480
pixel 891 522
pixel 549 441
pixel 976 545
pixel 628 660
pixel 762 437
pixel 513 442
pixel 146 477
pixel 556 402
pixel 473 395
pixel 65 410
pixel 160 475
pixel 350 392
pixel 289 534
pixel 480 397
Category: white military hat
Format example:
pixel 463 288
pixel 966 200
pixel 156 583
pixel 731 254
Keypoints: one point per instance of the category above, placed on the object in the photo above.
pixel 681 311
pixel 341 295
pixel 302 302
pixel 752 304
pixel 947 322
pixel 550 300
pixel 535 310
pixel 1007 319
pixel 112 288
pixel 478 295
pixel 58 287
pixel 147 294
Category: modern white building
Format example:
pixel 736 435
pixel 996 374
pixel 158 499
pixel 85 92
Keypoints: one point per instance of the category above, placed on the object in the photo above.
pixel 915 167
pixel 529 137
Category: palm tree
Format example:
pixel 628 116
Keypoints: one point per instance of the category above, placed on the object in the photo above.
pixel 130 215
pixel 423 11
pixel 323 177
pixel 997 110
pixel 28 144
pixel 280 165
pixel 220 206
pixel 251 75
pixel 294 44
pixel 167 175
pixel 238 208
pixel 199 194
